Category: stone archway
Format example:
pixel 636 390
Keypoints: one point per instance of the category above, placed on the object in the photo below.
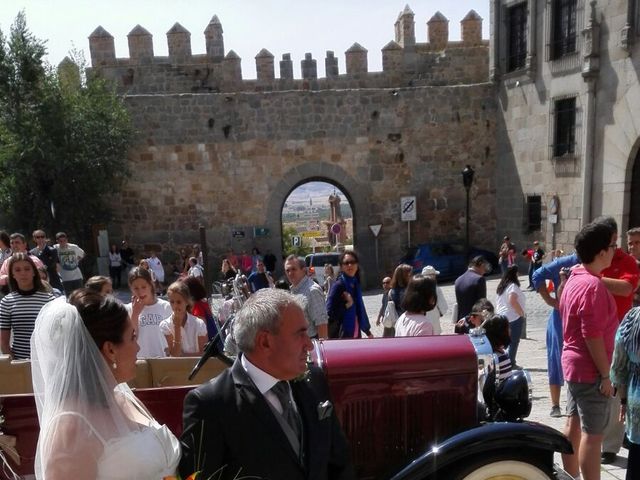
pixel 339 207
pixel 357 193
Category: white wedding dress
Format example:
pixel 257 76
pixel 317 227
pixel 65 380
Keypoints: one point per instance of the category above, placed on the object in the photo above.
pixel 152 453
pixel 90 426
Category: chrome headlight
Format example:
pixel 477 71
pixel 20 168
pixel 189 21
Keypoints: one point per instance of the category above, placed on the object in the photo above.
pixel 484 352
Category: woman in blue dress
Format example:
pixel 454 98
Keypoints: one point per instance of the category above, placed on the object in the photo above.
pixel 345 306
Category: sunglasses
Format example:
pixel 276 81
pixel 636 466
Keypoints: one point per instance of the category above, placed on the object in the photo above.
pixel 350 262
pixel 38 236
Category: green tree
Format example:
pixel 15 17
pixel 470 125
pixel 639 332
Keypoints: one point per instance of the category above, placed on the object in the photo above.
pixel 288 232
pixel 63 141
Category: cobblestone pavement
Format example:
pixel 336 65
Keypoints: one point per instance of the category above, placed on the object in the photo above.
pixel 531 355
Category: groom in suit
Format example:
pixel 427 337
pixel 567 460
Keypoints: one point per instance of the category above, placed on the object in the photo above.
pixel 257 419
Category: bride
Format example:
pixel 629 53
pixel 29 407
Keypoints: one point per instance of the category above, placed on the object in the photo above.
pixel 91 424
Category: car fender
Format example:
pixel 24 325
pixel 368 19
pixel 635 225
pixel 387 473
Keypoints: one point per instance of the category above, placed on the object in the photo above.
pixel 484 439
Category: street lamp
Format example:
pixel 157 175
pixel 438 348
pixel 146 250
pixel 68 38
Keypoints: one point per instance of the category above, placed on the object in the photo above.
pixel 467 181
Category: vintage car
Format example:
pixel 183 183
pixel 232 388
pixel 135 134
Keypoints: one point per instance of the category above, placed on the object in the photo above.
pixel 412 408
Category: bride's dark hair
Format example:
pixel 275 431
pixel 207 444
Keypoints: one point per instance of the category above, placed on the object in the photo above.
pixel 104 317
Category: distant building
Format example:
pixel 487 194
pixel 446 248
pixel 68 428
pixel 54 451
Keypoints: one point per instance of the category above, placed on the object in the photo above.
pixel 568 131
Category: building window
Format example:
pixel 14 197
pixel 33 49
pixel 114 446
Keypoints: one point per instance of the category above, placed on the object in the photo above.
pixel 517 46
pixel 565 132
pixel 534 212
pixel 564 28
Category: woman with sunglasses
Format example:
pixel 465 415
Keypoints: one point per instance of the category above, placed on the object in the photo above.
pixel 347 314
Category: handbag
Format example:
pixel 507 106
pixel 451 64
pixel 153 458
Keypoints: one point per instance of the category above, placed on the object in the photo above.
pixel 390 315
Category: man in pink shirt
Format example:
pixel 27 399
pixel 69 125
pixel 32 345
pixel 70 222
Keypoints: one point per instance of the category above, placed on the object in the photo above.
pixel 589 323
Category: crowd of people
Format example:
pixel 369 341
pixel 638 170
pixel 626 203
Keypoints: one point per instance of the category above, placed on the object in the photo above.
pixel 31 278
pixel 593 344
pixel 92 425
pixel 592 340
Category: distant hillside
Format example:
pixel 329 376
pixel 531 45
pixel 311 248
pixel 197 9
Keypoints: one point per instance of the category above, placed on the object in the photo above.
pixel 313 198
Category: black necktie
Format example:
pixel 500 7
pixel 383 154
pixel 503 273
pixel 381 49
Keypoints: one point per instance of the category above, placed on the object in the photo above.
pixel 282 391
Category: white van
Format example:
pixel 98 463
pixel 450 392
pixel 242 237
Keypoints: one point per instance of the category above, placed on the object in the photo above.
pixel 319 260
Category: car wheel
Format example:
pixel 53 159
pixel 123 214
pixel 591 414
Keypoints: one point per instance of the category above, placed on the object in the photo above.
pixel 507 470
pixel 508 467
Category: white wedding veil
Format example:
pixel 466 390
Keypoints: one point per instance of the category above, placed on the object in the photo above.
pixel 76 394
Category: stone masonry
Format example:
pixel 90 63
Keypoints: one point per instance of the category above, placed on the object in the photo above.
pixel 216 150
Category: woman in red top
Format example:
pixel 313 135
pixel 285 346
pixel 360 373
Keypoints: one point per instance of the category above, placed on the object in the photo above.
pixel 201 307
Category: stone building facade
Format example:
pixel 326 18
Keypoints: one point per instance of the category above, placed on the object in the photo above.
pixel 216 150
pixel 568 124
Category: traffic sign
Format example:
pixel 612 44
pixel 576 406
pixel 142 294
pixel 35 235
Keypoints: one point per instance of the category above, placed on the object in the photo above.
pixel 296 241
pixel 237 233
pixel 336 228
pixel 375 229
pixel 260 232
pixel 312 233
pixel 408 209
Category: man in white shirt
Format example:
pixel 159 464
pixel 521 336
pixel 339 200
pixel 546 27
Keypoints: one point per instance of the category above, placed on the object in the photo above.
pixel 195 269
pixel 156 267
pixel 70 256
pixel 314 303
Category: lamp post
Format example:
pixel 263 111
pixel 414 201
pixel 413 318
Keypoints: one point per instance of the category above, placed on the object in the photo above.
pixel 467 181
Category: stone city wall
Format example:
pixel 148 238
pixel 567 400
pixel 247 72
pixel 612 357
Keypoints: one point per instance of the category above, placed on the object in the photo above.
pixel 405 62
pixel 216 150
pixel 229 160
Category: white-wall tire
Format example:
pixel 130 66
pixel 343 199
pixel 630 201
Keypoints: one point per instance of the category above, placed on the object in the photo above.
pixel 507 470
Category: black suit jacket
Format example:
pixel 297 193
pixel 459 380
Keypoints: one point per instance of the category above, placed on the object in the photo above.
pixel 232 432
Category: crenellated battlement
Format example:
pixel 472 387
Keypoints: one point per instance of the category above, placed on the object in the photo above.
pixel 404 61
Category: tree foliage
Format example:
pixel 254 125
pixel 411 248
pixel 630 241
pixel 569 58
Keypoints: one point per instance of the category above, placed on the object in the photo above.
pixel 63 141
pixel 288 232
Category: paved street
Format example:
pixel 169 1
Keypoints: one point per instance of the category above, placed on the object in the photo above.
pixel 531 355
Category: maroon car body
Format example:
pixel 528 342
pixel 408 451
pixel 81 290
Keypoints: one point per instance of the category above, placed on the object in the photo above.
pixel 395 398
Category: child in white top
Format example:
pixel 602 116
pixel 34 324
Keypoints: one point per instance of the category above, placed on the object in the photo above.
pixel 147 311
pixel 185 334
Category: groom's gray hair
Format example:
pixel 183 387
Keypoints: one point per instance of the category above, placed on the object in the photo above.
pixel 263 311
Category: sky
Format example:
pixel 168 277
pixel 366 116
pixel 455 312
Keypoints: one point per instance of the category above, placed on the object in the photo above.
pixel 280 26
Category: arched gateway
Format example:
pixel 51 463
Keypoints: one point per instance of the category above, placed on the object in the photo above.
pixel 217 151
pixel 357 192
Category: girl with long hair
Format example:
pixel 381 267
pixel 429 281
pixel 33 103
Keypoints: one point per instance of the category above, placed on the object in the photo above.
pixel 19 309
pixel 186 334
pixel 511 303
pixel 399 281
pixel 147 311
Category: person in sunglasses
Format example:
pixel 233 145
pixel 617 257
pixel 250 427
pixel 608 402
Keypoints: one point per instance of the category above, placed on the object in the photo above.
pixel 481 310
pixel 49 257
pixel 347 314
